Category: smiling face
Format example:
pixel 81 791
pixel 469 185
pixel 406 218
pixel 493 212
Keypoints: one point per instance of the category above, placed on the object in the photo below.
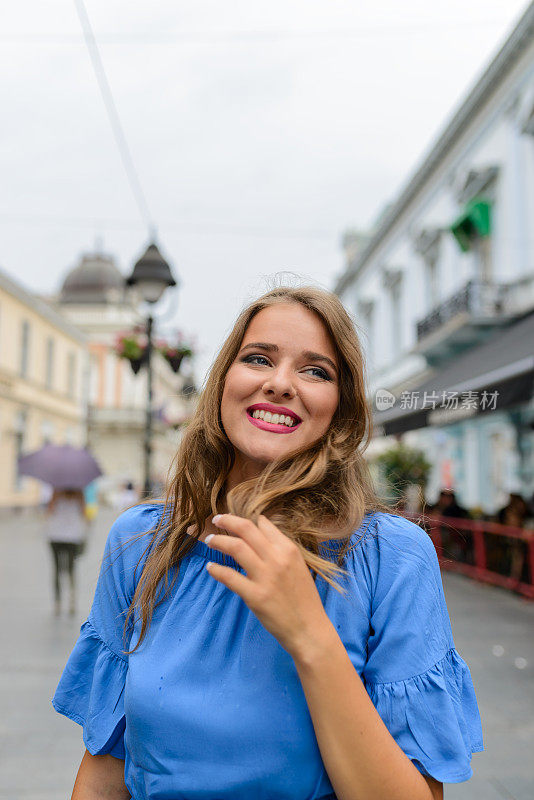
pixel 286 365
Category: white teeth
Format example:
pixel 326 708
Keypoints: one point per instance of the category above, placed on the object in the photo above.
pixel 274 419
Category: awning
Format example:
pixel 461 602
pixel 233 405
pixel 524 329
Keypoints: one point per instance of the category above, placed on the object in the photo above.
pixel 475 221
pixel 503 364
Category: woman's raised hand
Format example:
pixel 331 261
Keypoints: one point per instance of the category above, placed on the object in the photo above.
pixel 278 586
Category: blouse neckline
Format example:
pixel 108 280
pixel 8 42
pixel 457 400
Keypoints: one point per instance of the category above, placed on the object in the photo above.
pixel 208 553
pixel 328 547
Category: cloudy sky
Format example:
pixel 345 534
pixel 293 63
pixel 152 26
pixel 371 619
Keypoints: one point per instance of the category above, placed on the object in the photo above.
pixel 260 131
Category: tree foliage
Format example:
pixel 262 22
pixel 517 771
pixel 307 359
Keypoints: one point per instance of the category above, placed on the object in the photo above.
pixel 401 466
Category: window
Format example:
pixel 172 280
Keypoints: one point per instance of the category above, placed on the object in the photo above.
pixel 431 283
pixel 49 374
pixel 396 319
pixel 24 348
pixel 366 312
pixel 71 374
pixel 427 243
pixel 472 231
pixel 21 421
pixel 392 283
pixel 47 431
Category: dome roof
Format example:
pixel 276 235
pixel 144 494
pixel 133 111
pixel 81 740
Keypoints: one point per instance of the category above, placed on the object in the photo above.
pixel 96 279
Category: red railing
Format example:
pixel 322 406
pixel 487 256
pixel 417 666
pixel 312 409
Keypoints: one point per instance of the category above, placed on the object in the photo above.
pixel 486 551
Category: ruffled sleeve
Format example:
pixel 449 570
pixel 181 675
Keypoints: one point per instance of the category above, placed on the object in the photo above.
pixel 91 688
pixel 418 682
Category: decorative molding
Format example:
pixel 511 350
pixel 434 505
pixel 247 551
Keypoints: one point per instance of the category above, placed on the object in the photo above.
pixel 525 112
pixel 391 278
pixel 365 308
pixel 426 243
pixel 473 181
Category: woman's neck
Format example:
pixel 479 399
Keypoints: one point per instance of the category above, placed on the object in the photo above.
pixel 240 473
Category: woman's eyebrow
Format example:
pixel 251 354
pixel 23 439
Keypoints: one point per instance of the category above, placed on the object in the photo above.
pixel 273 348
pixel 261 346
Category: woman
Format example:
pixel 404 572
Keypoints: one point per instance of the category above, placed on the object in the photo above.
pixel 295 645
pixel 66 531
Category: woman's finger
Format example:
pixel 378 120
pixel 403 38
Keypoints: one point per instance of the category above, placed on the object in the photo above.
pixel 245 529
pixel 232 579
pixel 238 549
pixel 270 530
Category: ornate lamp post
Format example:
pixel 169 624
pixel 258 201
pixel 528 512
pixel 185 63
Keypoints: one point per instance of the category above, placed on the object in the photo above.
pixel 152 275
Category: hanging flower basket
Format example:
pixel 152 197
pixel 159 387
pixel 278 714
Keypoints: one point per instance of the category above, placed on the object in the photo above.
pixel 132 347
pixel 136 364
pixel 175 353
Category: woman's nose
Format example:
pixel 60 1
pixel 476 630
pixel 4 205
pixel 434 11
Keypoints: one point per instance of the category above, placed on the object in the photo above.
pixel 280 383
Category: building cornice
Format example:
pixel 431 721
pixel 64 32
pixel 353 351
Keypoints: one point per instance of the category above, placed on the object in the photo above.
pixel 40 307
pixel 493 77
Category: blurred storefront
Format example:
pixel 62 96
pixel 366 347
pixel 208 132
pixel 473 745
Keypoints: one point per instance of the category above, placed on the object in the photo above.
pixel 42 359
pixel 475 419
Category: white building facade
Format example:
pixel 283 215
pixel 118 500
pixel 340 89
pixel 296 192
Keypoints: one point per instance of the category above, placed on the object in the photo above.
pixel 443 292
pixel 93 297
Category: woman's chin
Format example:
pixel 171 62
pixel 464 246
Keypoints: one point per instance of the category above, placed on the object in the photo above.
pixel 267 455
pixel 261 447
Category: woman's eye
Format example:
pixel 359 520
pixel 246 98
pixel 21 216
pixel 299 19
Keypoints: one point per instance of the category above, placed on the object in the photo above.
pixel 322 373
pixel 251 359
pixel 262 360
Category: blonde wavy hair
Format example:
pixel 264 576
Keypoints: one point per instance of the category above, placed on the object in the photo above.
pixel 325 486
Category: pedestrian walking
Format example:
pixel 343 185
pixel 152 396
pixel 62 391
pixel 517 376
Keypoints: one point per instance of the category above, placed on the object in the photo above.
pixel 66 531
pixel 457 544
pixel 271 630
pixel 448 506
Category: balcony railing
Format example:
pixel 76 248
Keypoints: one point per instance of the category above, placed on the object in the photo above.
pixel 478 299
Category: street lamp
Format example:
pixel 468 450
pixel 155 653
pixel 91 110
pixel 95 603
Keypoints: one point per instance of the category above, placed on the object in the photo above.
pixel 151 275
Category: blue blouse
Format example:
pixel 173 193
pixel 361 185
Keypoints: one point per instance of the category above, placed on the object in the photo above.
pixel 210 706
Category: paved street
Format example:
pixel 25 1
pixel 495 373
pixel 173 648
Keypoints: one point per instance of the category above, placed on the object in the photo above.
pixel 40 750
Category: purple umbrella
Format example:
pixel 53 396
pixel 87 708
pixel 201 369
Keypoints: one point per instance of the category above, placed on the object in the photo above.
pixel 63 467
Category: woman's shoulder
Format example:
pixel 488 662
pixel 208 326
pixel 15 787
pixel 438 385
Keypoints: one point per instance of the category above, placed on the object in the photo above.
pixel 128 544
pixel 133 529
pixel 387 544
pixel 392 561
pixel 138 519
pixel 395 530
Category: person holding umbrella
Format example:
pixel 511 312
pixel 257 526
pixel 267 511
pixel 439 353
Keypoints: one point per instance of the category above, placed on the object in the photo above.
pixel 66 531
pixel 68 470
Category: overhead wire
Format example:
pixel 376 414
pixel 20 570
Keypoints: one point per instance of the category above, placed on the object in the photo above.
pixel 205 228
pixel 113 115
pixel 245 36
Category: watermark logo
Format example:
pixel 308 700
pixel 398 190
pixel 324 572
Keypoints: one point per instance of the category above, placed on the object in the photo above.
pixel 469 402
pixel 449 400
pixel 384 399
